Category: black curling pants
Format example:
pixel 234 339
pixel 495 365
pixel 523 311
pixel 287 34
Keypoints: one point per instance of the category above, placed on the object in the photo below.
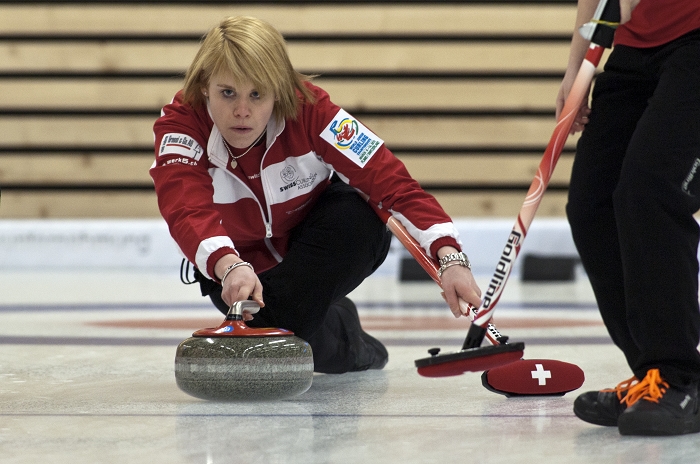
pixel 340 243
pixel 635 186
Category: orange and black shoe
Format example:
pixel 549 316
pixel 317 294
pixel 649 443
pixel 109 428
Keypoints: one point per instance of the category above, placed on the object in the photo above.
pixel 654 407
pixel 605 406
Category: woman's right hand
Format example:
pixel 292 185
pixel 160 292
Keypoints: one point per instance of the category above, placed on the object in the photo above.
pixel 584 110
pixel 240 284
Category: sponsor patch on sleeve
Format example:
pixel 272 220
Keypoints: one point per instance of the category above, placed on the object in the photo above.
pixel 180 144
pixel 351 138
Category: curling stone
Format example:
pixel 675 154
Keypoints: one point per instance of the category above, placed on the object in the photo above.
pixel 234 362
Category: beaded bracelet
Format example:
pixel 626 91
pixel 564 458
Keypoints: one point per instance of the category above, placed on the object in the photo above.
pixel 234 266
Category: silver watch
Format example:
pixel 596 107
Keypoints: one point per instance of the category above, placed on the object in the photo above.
pixel 453 259
pixel 461 256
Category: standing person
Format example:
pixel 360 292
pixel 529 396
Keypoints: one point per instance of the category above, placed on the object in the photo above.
pixel 635 186
pixel 257 174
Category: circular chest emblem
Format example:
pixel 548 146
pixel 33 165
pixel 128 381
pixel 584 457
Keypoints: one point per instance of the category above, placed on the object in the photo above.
pixel 288 174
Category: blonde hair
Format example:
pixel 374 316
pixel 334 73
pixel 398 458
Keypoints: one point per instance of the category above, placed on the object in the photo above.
pixel 252 51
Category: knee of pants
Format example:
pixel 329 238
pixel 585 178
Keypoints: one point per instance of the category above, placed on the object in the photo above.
pixel 355 216
pixel 633 188
pixel 581 215
pixel 350 226
pixel 366 231
pixel 594 231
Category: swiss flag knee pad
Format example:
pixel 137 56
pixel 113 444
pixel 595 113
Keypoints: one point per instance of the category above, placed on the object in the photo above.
pixel 533 377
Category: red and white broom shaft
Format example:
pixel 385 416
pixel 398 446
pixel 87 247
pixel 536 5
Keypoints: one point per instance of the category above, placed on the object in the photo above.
pixel 578 92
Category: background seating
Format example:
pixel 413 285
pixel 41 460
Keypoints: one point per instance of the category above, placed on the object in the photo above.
pixel 462 92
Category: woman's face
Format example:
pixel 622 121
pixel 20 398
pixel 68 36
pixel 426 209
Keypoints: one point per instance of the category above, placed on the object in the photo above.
pixel 238 110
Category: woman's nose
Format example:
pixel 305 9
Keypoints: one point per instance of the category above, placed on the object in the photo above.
pixel 241 109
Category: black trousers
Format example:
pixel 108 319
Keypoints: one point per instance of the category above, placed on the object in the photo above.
pixel 635 186
pixel 339 244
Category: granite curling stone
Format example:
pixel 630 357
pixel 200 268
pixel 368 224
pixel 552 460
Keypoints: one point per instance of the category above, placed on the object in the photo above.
pixel 234 362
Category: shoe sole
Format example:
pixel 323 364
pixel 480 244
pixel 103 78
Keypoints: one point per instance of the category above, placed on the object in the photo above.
pixel 595 420
pixel 378 346
pixel 633 427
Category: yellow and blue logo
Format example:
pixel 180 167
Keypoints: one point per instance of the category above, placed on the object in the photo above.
pixel 351 138
pixel 345 132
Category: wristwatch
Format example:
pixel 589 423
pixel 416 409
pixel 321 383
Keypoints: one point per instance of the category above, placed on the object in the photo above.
pixel 453 259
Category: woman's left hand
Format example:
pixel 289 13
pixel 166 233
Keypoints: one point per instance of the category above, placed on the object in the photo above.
pixel 458 283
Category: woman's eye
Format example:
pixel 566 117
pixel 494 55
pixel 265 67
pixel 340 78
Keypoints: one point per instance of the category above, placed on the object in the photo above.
pixel 227 93
pixel 255 94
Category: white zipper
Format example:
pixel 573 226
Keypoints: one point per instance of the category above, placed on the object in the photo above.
pixel 267 218
pixel 268 224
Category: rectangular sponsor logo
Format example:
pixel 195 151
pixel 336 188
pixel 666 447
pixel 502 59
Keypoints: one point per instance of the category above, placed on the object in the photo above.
pixel 351 138
pixel 180 144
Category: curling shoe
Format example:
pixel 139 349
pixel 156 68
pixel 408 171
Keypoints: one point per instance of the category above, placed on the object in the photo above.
pixel 370 353
pixel 654 407
pixel 605 406
pixel 373 355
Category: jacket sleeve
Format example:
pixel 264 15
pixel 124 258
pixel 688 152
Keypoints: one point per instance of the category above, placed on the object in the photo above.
pixel 362 160
pixel 184 187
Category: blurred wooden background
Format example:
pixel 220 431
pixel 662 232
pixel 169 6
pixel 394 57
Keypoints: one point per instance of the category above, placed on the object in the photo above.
pixel 462 92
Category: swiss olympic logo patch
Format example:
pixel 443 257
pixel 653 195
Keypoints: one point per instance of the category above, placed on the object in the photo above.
pixel 351 138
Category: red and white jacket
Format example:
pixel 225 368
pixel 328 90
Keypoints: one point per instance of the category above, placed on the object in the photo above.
pixel 211 210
